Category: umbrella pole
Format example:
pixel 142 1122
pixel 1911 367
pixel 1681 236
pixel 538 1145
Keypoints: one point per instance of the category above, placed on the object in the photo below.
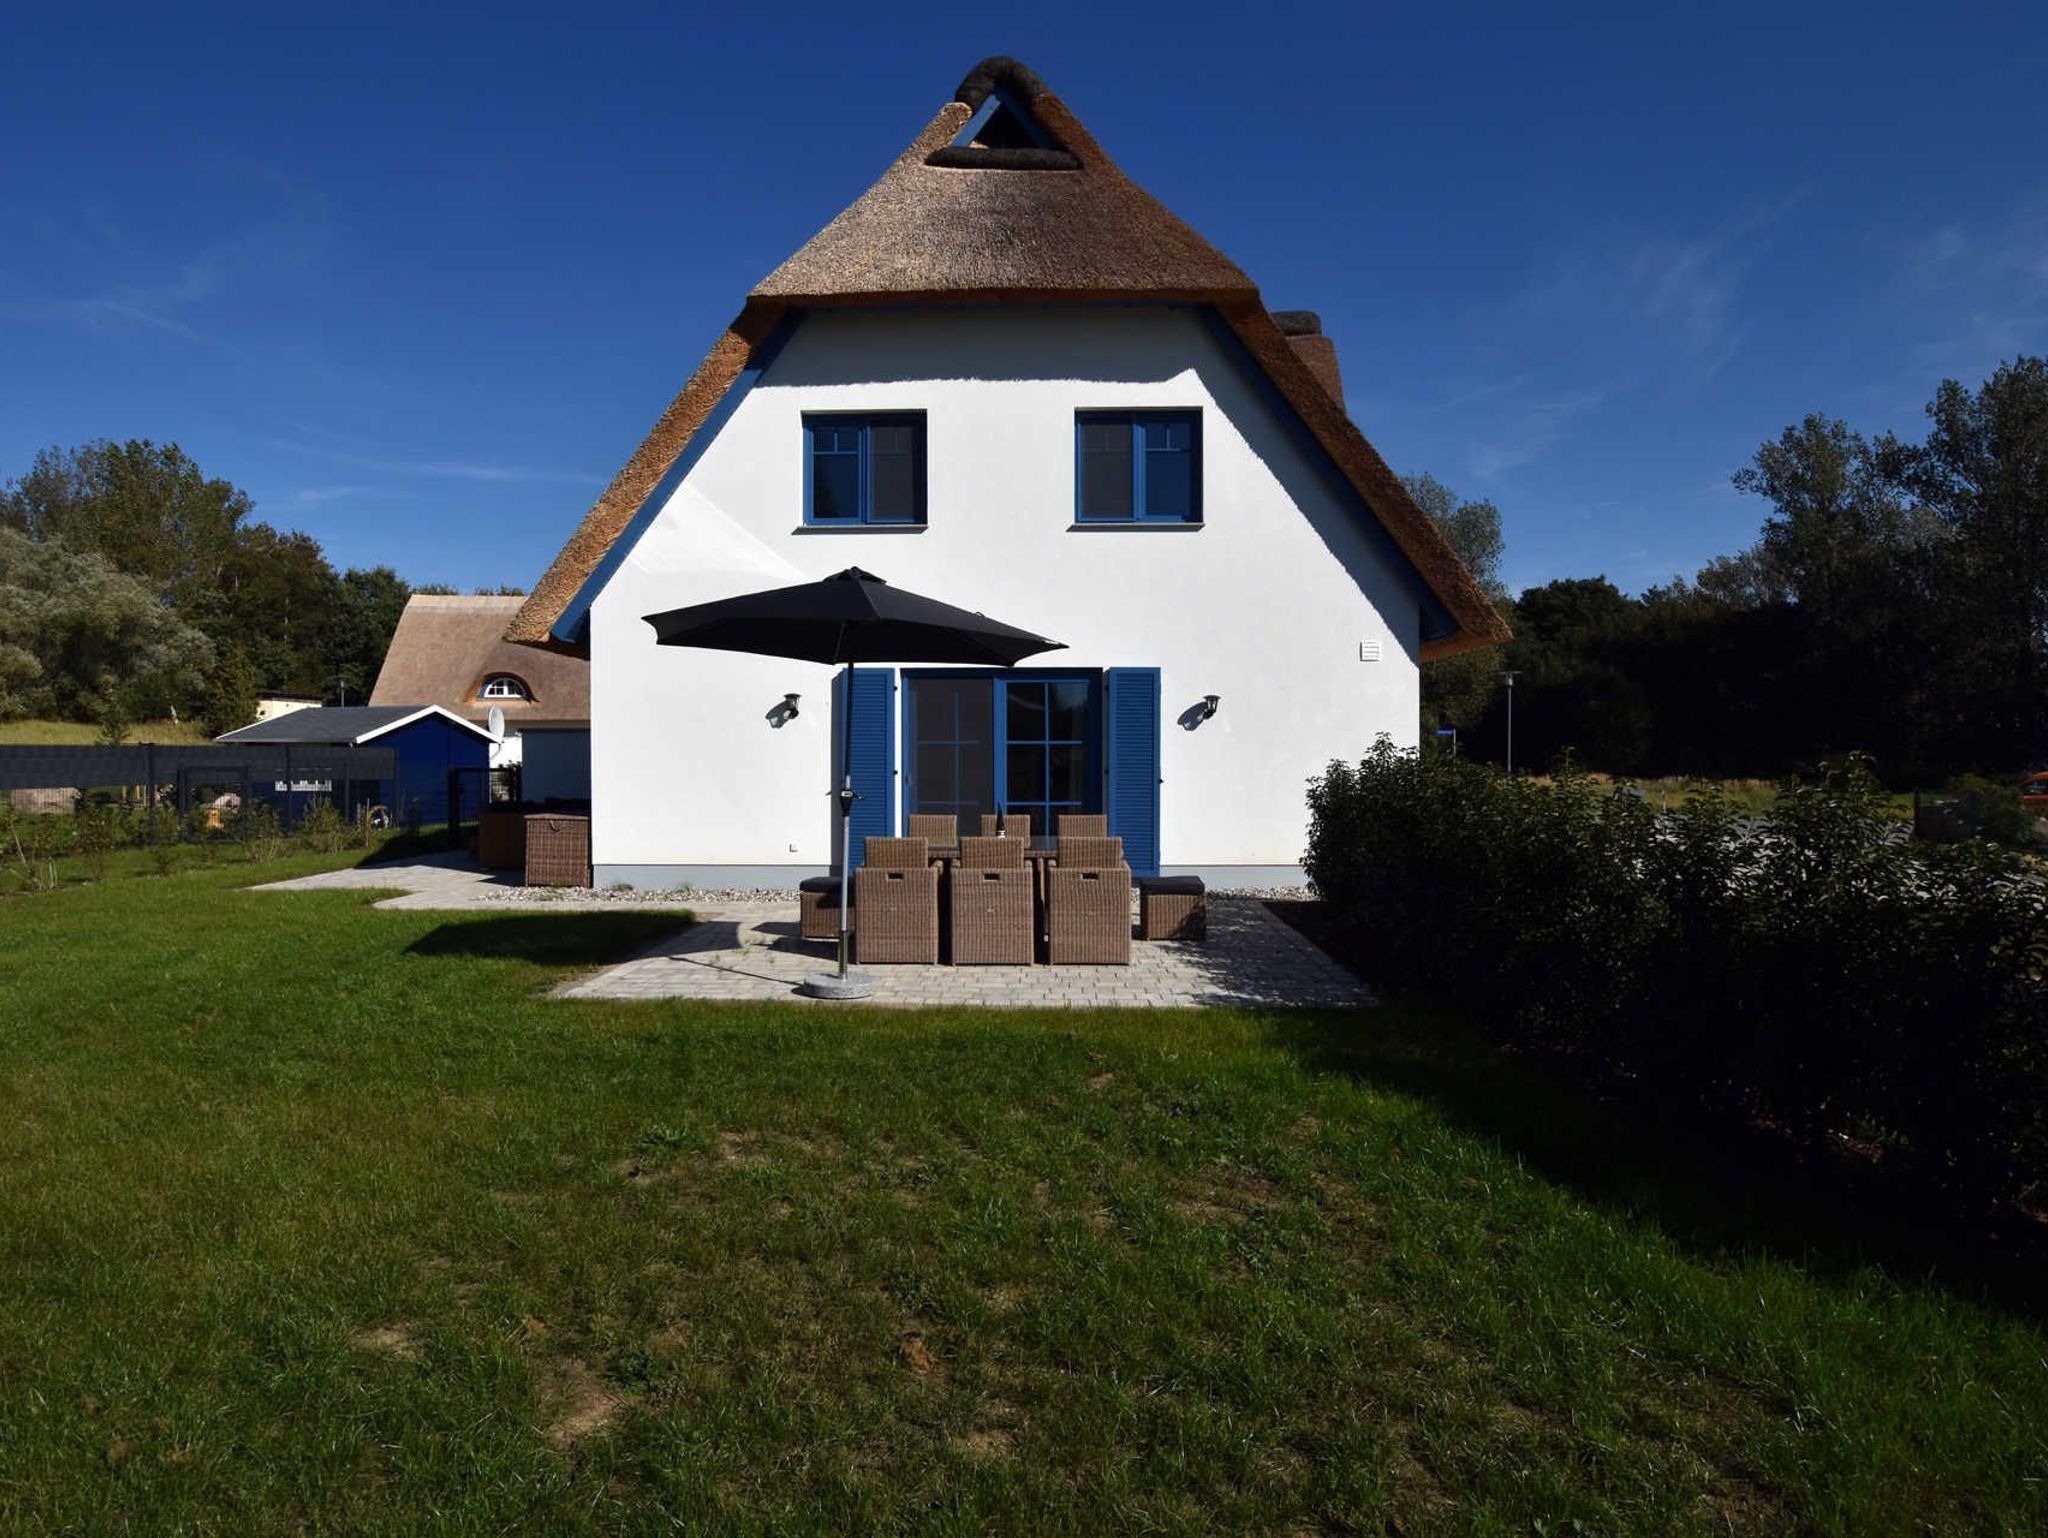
pixel 845 817
pixel 842 984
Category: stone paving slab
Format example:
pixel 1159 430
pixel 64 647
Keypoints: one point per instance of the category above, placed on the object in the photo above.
pixel 451 882
pixel 756 951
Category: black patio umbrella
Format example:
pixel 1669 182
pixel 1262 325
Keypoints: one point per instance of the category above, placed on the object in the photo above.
pixel 851 617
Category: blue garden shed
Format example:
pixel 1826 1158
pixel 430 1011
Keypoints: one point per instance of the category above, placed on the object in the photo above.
pixel 429 741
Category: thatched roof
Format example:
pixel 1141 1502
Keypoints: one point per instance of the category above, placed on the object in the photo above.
pixel 447 645
pixel 1030 210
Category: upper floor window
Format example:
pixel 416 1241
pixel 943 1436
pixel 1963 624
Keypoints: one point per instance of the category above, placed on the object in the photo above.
pixel 504 686
pixel 1138 466
pixel 864 469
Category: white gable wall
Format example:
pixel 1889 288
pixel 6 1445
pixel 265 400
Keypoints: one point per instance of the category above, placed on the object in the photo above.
pixel 1265 604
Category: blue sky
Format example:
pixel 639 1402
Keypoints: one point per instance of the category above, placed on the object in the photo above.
pixel 419 282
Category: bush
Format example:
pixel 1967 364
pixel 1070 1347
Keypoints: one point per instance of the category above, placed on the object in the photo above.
pixel 1810 967
pixel 1993 809
pixel 95 833
pixel 36 842
pixel 199 830
pixel 160 835
pixel 323 829
pixel 262 836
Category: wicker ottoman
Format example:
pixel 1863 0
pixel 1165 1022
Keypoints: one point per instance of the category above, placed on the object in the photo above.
pixel 1172 908
pixel 557 849
pixel 819 896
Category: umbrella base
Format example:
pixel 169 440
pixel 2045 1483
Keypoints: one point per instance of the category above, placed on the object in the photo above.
pixel 830 985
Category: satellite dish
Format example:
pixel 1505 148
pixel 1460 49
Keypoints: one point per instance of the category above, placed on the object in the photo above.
pixel 495 721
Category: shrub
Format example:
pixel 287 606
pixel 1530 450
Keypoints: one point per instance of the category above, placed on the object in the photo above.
pixel 200 830
pixel 322 828
pixel 94 834
pixel 1993 809
pixel 38 841
pixel 1811 967
pixel 262 836
pixel 160 833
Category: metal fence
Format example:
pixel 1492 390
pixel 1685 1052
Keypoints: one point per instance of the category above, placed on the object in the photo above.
pixel 292 776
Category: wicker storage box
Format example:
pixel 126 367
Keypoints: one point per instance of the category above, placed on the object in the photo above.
pixel 992 910
pixel 819 899
pixel 1172 908
pixel 1088 916
pixel 557 849
pixel 899 913
pixel 501 838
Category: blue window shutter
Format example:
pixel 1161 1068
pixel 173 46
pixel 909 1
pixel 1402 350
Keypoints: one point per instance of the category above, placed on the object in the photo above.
pixel 874 752
pixel 1131 764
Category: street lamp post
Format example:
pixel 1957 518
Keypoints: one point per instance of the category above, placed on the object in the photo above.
pixel 1510 677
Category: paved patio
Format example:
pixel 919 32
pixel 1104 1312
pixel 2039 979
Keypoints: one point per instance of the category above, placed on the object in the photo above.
pixel 754 950
pixel 452 882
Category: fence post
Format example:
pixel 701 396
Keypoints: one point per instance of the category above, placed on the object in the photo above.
pixel 149 775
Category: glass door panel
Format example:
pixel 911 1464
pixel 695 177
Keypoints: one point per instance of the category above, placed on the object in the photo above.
pixel 1048 731
pixel 951 726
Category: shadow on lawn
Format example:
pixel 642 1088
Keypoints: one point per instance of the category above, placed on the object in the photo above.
pixel 550 939
pixel 1712 1190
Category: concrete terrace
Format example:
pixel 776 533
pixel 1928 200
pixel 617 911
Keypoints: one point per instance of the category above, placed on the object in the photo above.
pixel 754 951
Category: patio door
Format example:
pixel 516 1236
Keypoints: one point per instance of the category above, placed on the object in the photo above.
pixel 1021 743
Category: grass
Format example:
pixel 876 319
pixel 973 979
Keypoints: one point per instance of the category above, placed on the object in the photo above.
pixel 1753 798
pixel 88 731
pixel 319 1217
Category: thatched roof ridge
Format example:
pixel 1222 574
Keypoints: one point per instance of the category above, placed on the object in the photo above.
pixel 447 645
pixel 929 230
pixel 987 229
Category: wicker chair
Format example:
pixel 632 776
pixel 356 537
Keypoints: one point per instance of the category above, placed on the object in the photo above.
pixel 1088 906
pixel 1088 853
pixel 991 904
pixel 934 828
pixel 1016 825
pixel 1082 825
pixel 896 894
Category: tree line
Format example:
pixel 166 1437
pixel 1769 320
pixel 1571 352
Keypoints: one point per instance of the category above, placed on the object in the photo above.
pixel 135 587
pixel 1895 603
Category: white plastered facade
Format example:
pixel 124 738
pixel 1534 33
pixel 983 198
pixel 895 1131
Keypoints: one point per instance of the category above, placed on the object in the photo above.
pixel 1287 601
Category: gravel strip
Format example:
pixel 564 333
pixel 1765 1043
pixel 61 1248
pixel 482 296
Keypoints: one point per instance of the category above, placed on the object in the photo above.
pixel 684 896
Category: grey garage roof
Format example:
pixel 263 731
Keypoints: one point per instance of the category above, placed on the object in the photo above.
pixel 354 724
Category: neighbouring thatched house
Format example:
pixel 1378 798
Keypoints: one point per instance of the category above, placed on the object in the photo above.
pixel 451 651
pixel 1009 378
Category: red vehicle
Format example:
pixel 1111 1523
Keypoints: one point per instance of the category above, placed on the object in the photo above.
pixel 2034 792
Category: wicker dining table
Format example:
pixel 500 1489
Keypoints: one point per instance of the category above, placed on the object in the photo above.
pixel 1042 847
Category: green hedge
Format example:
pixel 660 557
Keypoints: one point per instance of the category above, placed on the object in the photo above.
pixel 1808 968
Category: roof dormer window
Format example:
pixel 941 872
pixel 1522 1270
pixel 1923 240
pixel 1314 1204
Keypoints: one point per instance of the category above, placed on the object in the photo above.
pixel 504 686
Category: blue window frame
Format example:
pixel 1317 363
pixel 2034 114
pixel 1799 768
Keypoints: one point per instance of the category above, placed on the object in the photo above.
pixel 1138 466
pixel 863 468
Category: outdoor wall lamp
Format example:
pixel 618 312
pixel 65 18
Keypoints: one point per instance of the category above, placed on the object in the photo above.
pixel 1209 704
pixel 784 713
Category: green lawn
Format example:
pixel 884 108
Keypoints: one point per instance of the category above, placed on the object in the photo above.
pixel 87 731
pixel 319 1219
